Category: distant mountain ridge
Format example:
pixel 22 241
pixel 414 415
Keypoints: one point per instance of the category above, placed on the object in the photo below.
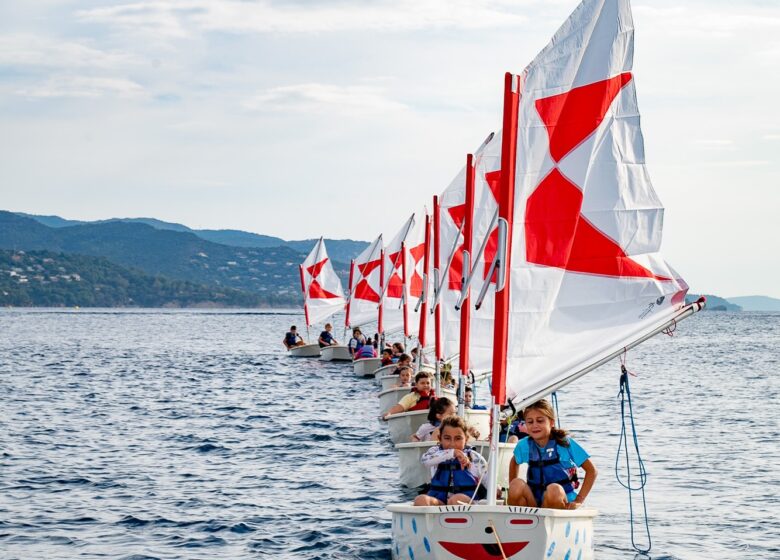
pixel 177 255
pixel 341 250
pixel 756 303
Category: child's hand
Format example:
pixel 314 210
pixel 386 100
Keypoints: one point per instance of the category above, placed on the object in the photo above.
pixel 462 458
pixel 474 433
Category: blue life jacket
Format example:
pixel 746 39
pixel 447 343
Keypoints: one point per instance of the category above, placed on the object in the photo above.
pixel 365 351
pixel 450 478
pixel 545 468
pixel 291 338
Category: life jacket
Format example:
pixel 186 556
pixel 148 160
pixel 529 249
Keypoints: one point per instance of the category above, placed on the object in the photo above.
pixel 545 468
pixel 291 338
pixel 424 402
pixel 365 351
pixel 450 478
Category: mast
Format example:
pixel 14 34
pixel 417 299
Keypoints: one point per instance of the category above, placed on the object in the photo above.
pixel 465 310
pixel 380 326
pixel 305 307
pixel 436 256
pixel 505 213
pixel 405 291
pixel 426 271
pixel 349 296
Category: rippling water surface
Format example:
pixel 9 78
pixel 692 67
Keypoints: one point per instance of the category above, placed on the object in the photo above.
pixel 153 434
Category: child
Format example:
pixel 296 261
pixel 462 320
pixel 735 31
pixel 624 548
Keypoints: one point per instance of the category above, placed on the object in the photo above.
pixel 404 360
pixel 366 351
pixel 292 338
pixel 552 459
pixel 326 337
pixel 419 398
pixel 387 357
pixel 440 409
pixel 469 400
pixel 455 468
pixel 355 342
pixel 404 378
pixel 398 349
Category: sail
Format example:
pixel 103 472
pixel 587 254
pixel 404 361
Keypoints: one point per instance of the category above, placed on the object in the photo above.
pixel 415 273
pixel 452 208
pixel 323 294
pixel 585 275
pixel 485 236
pixel 365 287
pixel 395 300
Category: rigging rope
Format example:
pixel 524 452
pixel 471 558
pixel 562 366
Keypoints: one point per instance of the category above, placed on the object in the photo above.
pixel 625 399
pixel 554 399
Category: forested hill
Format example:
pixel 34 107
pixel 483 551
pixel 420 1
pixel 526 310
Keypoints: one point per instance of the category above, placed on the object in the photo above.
pixel 43 278
pixel 178 255
pixel 340 250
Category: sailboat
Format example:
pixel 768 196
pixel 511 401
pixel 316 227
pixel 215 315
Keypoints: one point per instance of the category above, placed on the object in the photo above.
pixel 578 277
pixel 322 294
pixel 365 286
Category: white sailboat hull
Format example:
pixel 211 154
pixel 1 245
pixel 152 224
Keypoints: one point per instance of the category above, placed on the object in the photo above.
pixel 414 474
pixel 402 426
pixel 335 353
pixel 389 397
pixel 365 367
pixel 307 351
pixel 474 533
pixel 384 370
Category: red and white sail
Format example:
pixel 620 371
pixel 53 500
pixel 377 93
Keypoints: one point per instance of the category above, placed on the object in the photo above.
pixel 415 273
pixel 365 286
pixel 395 299
pixel 322 292
pixel 585 276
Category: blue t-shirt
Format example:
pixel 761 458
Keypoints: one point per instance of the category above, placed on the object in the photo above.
pixel 572 456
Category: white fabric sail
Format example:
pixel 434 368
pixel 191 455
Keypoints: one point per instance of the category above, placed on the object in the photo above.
pixel 452 205
pixel 322 291
pixel 486 184
pixel 415 261
pixel 365 286
pixel 585 274
pixel 395 289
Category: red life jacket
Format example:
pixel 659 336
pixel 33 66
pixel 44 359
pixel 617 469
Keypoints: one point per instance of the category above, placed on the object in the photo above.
pixel 424 402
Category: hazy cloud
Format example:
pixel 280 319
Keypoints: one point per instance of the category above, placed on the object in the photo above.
pixel 314 97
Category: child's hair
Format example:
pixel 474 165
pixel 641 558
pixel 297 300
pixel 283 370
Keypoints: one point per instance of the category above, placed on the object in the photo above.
pixel 328 325
pixel 453 421
pixel 387 351
pixel 414 350
pixel 404 357
pixel 469 389
pixel 398 346
pixel 421 375
pixel 438 406
pixel 560 436
pixel 292 328
pixel 369 342
pixel 446 377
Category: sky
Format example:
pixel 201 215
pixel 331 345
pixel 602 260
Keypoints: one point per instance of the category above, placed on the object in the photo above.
pixel 339 118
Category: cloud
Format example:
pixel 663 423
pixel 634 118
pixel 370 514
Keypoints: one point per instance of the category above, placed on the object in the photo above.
pixel 82 86
pixel 771 136
pixel 314 97
pixel 710 21
pixel 38 51
pixel 712 144
pixel 180 18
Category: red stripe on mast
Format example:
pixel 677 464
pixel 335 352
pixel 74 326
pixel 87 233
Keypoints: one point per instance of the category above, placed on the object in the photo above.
pixel 380 323
pixel 506 204
pixel 426 283
pixel 436 267
pixel 303 289
pixel 349 292
pixel 468 234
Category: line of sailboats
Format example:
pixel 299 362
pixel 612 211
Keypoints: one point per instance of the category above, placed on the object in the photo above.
pixel 537 264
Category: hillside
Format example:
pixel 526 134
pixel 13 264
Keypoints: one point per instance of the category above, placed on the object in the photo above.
pixel 46 279
pixel 341 250
pixel 756 303
pixel 173 254
pixel 714 303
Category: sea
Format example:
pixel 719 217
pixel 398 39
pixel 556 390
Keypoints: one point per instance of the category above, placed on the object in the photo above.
pixel 142 434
